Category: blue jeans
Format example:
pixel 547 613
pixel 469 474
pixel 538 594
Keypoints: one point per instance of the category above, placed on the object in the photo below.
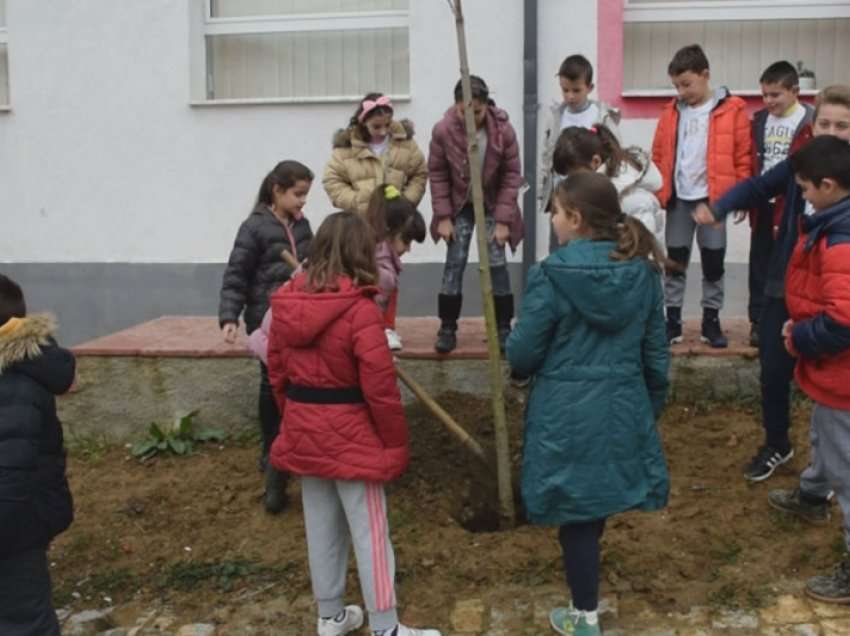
pixel 458 255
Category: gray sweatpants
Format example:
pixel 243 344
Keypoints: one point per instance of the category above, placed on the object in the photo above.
pixel 829 468
pixel 337 514
pixel 712 244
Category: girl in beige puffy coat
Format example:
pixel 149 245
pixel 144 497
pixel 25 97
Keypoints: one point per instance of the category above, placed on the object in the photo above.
pixel 374 150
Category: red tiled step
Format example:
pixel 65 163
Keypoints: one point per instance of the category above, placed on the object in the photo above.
pixel 200 337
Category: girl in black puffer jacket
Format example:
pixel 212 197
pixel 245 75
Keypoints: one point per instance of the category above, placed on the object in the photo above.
pixel 254 271
pixel 35 501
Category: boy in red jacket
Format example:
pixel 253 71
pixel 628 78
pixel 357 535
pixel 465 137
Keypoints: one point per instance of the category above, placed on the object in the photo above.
pixel 702 147
pixel 817 291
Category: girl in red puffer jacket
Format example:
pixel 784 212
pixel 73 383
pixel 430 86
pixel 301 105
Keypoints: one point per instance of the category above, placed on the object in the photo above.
pixel 343 428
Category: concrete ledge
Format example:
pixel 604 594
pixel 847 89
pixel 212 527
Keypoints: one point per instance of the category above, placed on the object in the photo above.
pixel 119 396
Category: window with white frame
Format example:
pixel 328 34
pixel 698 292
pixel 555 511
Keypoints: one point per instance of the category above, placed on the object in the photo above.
pixel 740 37
pixel 4 57
pixel 305 50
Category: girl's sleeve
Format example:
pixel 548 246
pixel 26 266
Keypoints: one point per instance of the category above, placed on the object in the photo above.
pixel 438 173
pixel 238 275
pixel 338 184
pixel 387 281
pixel 655 352
pixel 531 337
pixel 417 176
pixel 276 362
pixel 376 371
pixel 258 341
pixel 510 182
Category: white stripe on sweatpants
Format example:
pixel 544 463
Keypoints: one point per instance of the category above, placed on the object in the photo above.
pixel 338 514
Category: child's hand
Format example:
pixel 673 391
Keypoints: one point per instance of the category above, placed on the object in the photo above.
pixel 446 230
pixel 502 233
pixel 787 328
pixel 703 216
pixel 229 331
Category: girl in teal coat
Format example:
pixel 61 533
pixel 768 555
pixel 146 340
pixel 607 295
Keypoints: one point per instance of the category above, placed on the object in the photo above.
pixel 592 335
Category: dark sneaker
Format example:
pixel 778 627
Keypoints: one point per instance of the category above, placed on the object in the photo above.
pixel 767 459
pixel 519 381
pixel 754 335
pixel 674 331
pixel 831 588
pixel 712 334
pixel 446 340
pixel 791 501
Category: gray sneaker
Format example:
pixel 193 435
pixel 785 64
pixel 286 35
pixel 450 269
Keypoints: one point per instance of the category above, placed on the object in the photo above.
pixel 831 588
pixel 790 501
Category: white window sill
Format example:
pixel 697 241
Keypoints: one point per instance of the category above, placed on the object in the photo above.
pixel 272 101
pixel 665 92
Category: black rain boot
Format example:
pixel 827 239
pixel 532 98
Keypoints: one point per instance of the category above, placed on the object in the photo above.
pixel 448 308
pixel 504 315
pixel 674 325
pixel 712 333
pixel 275 499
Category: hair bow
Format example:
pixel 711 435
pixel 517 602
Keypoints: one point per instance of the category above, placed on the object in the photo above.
pixel 391 193
pixel 594 130
pixel 369 105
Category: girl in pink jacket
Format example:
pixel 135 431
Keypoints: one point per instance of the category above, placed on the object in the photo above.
pixel 396 223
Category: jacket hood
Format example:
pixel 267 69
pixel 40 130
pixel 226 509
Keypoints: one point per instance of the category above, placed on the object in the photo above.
pixel 606 293
pixel 305 315
pixel 346 137
pixel 719 96
pixel 23 338
pixel 629 177
pixel 833 222
pixel 27 347
pixel 606 112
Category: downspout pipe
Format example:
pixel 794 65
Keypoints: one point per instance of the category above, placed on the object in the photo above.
pixel 530 109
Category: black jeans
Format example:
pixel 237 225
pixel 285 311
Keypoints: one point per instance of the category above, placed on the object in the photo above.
pixel 580 547
pixel 761 244
pixel 269 413
pixel 777 371
pixel 26 608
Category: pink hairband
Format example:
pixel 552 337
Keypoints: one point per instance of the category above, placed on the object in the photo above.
pixel 370 105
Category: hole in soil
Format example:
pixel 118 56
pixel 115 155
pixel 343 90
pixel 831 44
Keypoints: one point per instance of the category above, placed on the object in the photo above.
pixel 476 508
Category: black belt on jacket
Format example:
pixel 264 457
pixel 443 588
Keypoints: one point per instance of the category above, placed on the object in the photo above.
pixel 318 395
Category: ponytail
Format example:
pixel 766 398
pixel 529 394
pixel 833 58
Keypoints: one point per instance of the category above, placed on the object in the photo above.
pixel 635 241
pixel 391 215
pixel 613 154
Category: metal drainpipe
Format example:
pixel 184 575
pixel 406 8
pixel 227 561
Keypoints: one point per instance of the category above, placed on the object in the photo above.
pixel 529 107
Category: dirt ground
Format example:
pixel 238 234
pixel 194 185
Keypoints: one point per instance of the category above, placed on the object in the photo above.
pixel 191 532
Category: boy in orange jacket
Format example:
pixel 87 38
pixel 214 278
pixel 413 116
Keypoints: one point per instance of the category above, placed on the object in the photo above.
pixel 702 146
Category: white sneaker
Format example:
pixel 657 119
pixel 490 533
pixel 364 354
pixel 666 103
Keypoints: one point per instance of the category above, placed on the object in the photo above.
pixel 403 630
pixel 393 339
pixel 351 620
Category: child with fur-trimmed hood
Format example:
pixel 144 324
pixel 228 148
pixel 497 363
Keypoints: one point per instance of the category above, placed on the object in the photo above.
pixel 374 150
pixel 35 501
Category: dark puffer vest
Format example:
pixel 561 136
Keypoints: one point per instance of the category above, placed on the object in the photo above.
pixel 35 501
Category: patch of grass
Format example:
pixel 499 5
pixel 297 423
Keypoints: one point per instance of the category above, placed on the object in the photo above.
pixel 116 584
pixel 784 521
pixel 223 575
pixel 725 596
pixel 727 551
pixel 838 548
pixel 88 448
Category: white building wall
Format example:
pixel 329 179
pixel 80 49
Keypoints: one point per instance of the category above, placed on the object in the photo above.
pixel 103 159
